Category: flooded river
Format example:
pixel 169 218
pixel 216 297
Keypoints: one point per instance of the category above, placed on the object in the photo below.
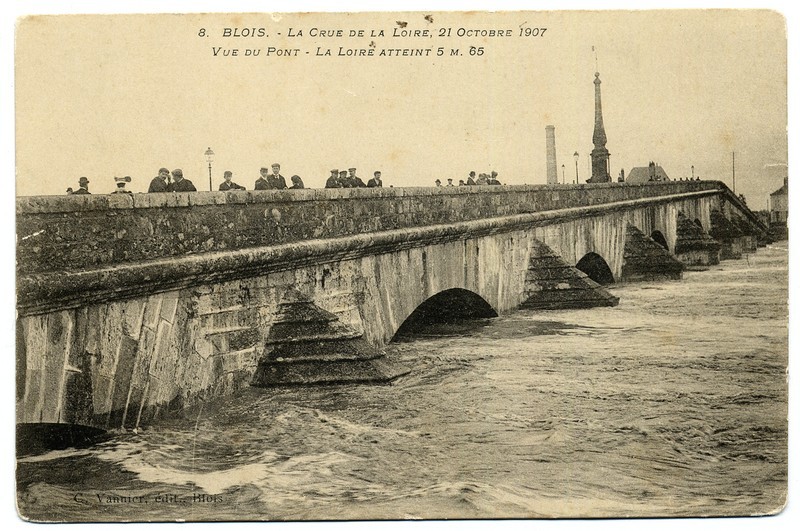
pixel 672 403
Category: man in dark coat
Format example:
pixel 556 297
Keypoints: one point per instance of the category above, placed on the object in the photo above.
pixel 261 182
pixel 375 182
pixel 333 180
pixel 229 184
pixel 276 180
pixel 181 184
pixel 355 180
pixel 84 187
pixel 471 179
pixel 160 182
pixel 345 182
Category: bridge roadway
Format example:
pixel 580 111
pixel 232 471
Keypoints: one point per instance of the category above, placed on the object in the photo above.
pixel 133 306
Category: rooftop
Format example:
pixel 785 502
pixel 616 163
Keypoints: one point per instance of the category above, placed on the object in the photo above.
pixel 783 190
pixel 641 174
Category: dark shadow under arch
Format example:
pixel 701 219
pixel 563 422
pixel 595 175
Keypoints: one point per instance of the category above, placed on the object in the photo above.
pixel 596 268
pixel 447 306
pixel 659 238
pixel 698 223
pixel 38 438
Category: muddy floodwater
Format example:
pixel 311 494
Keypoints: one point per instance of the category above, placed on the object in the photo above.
pixel 672 403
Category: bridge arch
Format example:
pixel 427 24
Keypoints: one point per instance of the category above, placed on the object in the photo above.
pixel 446 306
pixel 596 268
pixel 659 238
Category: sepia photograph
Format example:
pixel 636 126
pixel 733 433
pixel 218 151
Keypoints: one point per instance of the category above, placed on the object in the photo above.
pixel 352 265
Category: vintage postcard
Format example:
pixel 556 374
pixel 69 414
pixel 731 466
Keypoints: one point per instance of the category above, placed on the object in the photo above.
pixel 430 265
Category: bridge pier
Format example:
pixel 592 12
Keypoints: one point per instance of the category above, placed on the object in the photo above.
pixel 645 259
pixel 308 345
pixel 727 234
pixel 749 237
pixel 552 284
pixel 695 247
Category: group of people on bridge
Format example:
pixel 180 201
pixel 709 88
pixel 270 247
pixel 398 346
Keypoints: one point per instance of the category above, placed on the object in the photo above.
pixel 174 181
pixel 266 181
pixel 163 183
pixel 349 179
pixel 83 186
pixel 483 178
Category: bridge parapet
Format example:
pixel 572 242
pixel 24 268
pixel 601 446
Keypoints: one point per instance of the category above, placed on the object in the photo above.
pixel 68 233
pixel 732 203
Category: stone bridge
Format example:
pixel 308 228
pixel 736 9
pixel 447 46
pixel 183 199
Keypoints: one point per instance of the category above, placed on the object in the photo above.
pixel 132 306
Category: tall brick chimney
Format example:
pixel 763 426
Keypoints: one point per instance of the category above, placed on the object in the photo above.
pixel 552 165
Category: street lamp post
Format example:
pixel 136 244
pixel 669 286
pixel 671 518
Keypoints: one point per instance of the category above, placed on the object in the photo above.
pixel 210 158
pixel 576 156
pixel 563 180
pixel 693 172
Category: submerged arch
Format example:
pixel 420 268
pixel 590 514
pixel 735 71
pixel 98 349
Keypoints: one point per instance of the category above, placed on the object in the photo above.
pixel 659 238
pixel 596 268
pixel 447 306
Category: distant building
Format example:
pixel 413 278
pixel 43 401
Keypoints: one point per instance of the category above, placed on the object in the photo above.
pixel 779 204
pixel 643 174
pixel 779 211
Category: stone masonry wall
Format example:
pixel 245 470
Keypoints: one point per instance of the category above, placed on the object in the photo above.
pixel 70 233
pixel 124 363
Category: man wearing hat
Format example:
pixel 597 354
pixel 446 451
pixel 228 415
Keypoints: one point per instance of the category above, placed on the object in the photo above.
pixel 276 180
pixel 450 182
pixel 471 179
pixel 229 184
pixel 355 180
pixel 84 187
pixel 333 180
pixel 181 184
pixel 160 182
pixel 121 181
pixel 261 182
pixel 438 183
pixel 375 182
pixel 346 183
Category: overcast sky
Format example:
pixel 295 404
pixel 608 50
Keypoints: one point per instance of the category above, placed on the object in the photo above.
pixel 109 96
